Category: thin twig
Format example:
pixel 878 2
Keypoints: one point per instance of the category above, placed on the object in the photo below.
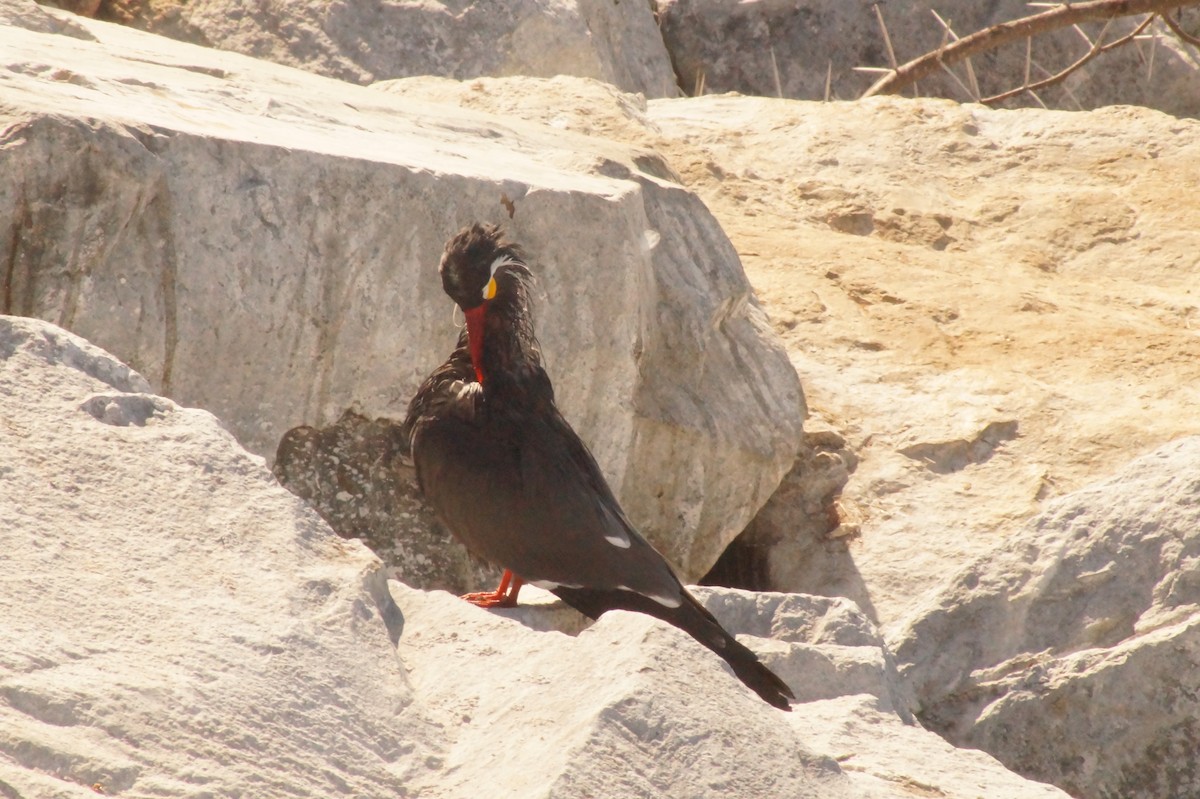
pixel 1150 60
pixel 1095 50
pixel 966 89
pixel 1086 39
pixel 947 33
pixel 887 40
pixel 1066 87
pixel 1104 31
pixel 972 79
pixel 775 70
pixel 1028 57
pixel 828 79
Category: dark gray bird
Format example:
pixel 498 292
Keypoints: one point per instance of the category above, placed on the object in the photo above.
pixel 508 476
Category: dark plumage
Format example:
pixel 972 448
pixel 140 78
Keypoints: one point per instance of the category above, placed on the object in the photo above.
pixel 509 477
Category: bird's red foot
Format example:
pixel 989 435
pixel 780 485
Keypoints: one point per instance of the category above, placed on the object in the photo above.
pixel 505 595
pixel 490 599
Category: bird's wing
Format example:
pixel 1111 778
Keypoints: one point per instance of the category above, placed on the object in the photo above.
pixel 522 491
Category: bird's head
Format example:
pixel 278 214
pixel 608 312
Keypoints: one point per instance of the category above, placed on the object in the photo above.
pixel 481 268
pixel 479 265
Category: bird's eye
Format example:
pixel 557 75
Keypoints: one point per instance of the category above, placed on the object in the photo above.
pixel 489 290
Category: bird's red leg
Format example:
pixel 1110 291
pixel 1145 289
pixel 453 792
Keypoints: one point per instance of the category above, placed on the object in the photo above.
pixel 505 595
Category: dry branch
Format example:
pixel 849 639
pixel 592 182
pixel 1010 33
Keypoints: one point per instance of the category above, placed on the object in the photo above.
pixel 1096 49
pixel 1006 32
pixel 1180 32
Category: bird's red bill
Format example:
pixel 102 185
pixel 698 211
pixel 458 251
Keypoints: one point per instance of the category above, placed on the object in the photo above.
pixel 475 338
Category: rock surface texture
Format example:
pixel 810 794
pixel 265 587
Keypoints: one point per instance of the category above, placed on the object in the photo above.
pixel 201 214
pixel 178 625
pixel 175 622
pixel 618 43
pixel 354 473
pixel 786 49
pixel 1073 652
pixel 994 308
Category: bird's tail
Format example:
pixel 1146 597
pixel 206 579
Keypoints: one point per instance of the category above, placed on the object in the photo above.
pixel 696 621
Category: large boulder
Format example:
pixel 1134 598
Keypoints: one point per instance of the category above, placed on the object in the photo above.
pixel 175 622
pixel 178 625
pixel 1073 653
pixel 364 42
pixel 791 49
pixel 263 243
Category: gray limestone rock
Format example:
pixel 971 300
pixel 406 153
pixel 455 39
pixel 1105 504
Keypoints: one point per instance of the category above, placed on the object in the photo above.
pixel 799 541
pixel 175 623
pixel 632 707
pixel 29 15
pixel 1073 654
pixel 617 42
